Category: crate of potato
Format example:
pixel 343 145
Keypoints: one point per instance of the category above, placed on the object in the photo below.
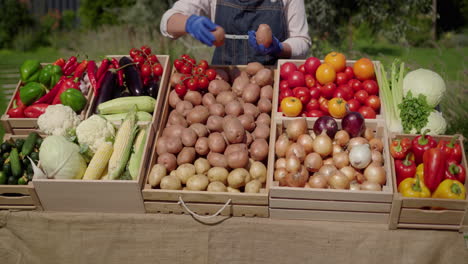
pixel 330 170
pixel 436 205
pixel 16 189
pixel 211 150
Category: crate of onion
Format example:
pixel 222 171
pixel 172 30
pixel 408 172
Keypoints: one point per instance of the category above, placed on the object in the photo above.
pixel 210 156
pixel 330 170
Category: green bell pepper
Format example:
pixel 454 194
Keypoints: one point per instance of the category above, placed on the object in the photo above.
pixel 50 75
pixel 31 92
pixel 73 98
pixel 30 70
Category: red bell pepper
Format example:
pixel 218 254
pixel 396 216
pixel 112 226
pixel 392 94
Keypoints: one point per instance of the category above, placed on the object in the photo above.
pixel 67 84
pixel 49 97
pixel 455 171
pixel 404 169
pixel 400 148
pixel 451 149
pixel 102 68
pixel 70 62
pixel 17 109
pixel 422 143
pixel 80 69
pixel 35 110
pixel 434 168
pixel 115 62
pixel 92 75
pixel 60 62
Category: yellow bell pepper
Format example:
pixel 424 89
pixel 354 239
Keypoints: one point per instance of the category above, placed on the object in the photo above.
pixel 450 189
pixel 420 172
pixel 413 187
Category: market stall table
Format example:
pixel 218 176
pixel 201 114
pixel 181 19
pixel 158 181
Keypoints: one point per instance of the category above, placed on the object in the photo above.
pixel 36 237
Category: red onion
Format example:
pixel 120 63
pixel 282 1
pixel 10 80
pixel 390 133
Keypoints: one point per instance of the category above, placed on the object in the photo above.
pixel 353 123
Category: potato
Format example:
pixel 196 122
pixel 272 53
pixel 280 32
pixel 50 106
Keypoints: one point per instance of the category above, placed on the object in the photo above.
pixel 189 137
pixel 264 105
pixel 238 159
pixel 187 155
pixel 161 145
pixel 193 97
pixel 233 190
pixel 240 83
pixel 235 148
pixel 263 77
pixel 202 146
pixel 176 78
pixel 248 139
pixel 158 171
pixel 184 172
pixel 217 86
pixel 258 171
pixel 202 166
pixel 263 118
pixel 198 182
pixel 183 107
pixel 219 35
pixel 208 99
pixel 234 108
pixel 215 123
pixel 222 75
pixel 199 114
pixel 253 67
pixel 173 99
pixel 171 183
pixel 174 145
pixel 235 72
pixel 216 187
pixel 250 109
pixel 266 92
pixel 199 129
pixel 247 121
pixel 238 178
pixel 216 142
pixel 226 97
pixel 251 93
pixel 217 159
pixel 176 118
pixel 234 130
pixel 253 186
pixel 216 109
pixel 259 149
pixel 264 35
pixel 261 131
pixel 218 174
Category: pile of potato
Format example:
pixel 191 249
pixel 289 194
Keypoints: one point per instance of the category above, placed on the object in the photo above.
pixel 217 140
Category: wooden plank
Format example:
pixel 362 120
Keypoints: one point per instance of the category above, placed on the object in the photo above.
pixel 17 207
pixel 206 209
pixel 330 205
pixel 329 194
pixel 427 226
pixel 394 214
pixel 439 203
pixel 16 200
pixel 15 189
pixel 317 215
pixel 419 216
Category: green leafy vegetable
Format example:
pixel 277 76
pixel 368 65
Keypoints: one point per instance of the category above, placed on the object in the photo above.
pixel 414 112
pixel 392 94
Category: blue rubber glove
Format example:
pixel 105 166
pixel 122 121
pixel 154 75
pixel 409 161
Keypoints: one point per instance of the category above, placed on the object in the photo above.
pixel 200 27
pixel 275 48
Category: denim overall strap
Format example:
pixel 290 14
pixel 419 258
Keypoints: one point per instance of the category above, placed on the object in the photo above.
pixel 237 17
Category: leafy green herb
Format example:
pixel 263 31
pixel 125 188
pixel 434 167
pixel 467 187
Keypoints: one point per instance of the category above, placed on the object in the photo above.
pixel 414 112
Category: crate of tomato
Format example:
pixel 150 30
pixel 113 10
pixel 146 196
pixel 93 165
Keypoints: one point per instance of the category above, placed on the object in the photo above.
pixel 430 182
pixel 43 84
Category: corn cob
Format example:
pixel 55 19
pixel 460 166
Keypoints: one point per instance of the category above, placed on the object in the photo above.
pixel 138 149
pixel 99 162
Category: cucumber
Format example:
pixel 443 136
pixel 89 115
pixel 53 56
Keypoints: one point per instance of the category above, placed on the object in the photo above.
pixel 39 142
pixel 126 104
pixel 7 169
pixel 19 143
pixel 5 147
pixel 16 169
pixel 29 143
pixel 3 178
pixel 12 180
pixel 34 156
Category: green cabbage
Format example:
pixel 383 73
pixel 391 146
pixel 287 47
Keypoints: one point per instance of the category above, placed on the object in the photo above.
pixel 426 82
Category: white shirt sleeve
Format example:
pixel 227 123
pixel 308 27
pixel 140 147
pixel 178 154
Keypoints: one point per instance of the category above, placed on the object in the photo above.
pixel 298 29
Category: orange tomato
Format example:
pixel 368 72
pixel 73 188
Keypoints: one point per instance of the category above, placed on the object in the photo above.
pixel 364 69
pixel 291 106
pixel 336 60
pixel 325 74
pixel 337 107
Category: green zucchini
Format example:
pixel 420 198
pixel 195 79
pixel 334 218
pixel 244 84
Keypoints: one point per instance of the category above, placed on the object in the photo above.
pixel 28 145
pixel 126 104
pixel 141 116
pixel 16 169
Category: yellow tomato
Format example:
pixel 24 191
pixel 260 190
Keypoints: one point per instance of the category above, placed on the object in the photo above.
pixel 337 107
pixel 325 74
pixel 291 106
pixel 364 69
pixel 336 60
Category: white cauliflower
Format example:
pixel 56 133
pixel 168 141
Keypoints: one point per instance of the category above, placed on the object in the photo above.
pixel 58 120
pixel 94 131
pixel 435 123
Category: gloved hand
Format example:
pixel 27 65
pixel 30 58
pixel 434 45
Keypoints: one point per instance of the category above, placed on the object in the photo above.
pixel 200 27
pixel 275 47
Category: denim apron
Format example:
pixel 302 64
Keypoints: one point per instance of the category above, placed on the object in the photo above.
pixel 237 17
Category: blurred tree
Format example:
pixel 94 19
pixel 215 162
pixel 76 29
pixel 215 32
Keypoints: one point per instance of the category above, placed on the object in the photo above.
pixel 14 18
pixel 94 13
pixel 453 15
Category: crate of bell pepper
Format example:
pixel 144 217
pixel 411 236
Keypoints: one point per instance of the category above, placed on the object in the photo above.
pixel 430 176
pixel 65 82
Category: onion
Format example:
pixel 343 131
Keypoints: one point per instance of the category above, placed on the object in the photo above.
pixel 377 157
pixel 327 171
pixel 281 145
pixel 341 160
pixel 280 163
pixel 370 186
pixel 318 181
pixel 329 161
pixel 296 127
pixel 376 144
pixel 296 150
pixel 354 186
pixel 356 141
pixel 376 174
pixel 293 164
pixel 327 124
pixel 353 123
pixel 369 134
pixel 360 178
pixel 307 185
pixel 313 162
pixel 337 149
pixel 280 176
pixel 338 181
pixel 342 138
pixel 323 144
pixel 296 179
pixel 349 172
pixel 306 142
pixel 360 156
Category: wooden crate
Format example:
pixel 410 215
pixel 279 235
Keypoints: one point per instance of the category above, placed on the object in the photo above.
pixel 416 213
pixel 202 202
pixel 330 204
pixel 105 196
pixel 276 102
pixel 18 197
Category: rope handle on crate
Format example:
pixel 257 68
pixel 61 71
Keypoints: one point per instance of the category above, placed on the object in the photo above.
pixel 182 203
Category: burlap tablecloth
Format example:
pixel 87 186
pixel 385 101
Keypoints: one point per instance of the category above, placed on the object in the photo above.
pixel 37 237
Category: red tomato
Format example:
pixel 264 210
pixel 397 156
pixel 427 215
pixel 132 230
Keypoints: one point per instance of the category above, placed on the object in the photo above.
pixel 211 74
pixel 328 90
pixel 315 113
pixel 313 105
pixel 311 65
pixel 157 70
pixel 367 112
pixel 349 72
pixel 349 93
pixel 180 90
pixel 296 79
pixel 145 70
pixel 324 105
pixel 146 49
pixel 371 87
pixel 178 64
pixel 361 96
pixel 285 93
pixel 283 85
pixel 302 93
pixel 203 82
pixel 355 84
pixel 198 70
pixel 192 84
pixel 192 61
pixel 309 81
pixel 139 59
pixel 203 64
pixel 153 58
pixel 287 69
pixel 301 69
pixel 339 93
pixel 373 101
pixel 186 68
pixel 134 52
pixel 353 105
pixel 315 93
pixel 341 78
pixel 185 56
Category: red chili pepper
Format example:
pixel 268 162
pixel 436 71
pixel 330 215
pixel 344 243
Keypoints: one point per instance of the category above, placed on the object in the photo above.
pixel 434 168
pixel 17 109
pixel 71 69
pixel 422 143
pixel 69 63
pixel 60 62
pixel 102 68
pixel 80 69
pixel 451 149
pixel 92 75
pixel 455 171
pixel 115 62
pixel 101 79
pixel 400 148
pixel 67 84
pixel 49 97
pixel 35 110
pixel 404 169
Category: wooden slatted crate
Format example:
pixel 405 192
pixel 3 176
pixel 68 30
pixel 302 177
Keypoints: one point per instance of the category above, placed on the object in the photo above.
pixel 418 213
pixel 330 204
